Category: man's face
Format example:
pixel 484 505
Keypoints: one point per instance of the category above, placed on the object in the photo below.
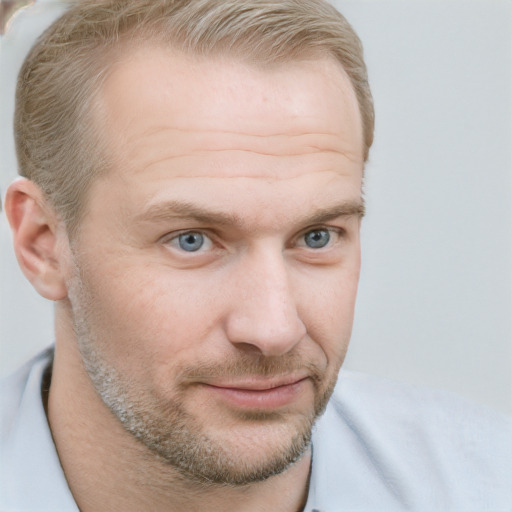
pixel 217 264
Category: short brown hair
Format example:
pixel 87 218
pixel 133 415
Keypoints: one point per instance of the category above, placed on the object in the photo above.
pixel 57 146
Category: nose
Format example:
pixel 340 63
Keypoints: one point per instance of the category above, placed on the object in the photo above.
pixel 264 315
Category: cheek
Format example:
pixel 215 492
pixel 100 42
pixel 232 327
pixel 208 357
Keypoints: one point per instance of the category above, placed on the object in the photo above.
pixel 327 308
pixel 146 312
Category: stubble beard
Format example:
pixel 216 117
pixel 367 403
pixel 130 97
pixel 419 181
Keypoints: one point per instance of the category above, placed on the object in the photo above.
pixel 173 435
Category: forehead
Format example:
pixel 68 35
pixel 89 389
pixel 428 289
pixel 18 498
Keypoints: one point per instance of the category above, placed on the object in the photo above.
pixel 225 135
pixel 176 103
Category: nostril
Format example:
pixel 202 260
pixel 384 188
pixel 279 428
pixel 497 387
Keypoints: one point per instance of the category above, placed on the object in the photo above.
pixel 248 348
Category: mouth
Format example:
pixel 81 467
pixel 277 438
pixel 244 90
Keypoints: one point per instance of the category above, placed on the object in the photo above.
pixel 259 394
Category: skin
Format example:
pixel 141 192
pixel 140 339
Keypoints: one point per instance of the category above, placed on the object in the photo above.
pixel 244 337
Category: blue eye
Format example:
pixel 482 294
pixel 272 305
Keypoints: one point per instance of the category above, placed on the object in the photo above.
pixel 317 239
pixel 191 241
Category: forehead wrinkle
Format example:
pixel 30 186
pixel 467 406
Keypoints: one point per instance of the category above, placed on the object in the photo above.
pixel 290 134
pixel 270 170
pixel 177 141
pixel 266 177
pixel 216 158
pixel 309 150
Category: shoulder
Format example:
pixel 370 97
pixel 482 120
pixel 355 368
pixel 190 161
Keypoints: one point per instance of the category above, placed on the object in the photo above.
pixel 421 446
pixel 13 389
pixel 402 407
pixel 399 400
pixel 31 477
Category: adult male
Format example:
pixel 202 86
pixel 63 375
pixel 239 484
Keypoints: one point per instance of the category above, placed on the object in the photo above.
pixel 192 203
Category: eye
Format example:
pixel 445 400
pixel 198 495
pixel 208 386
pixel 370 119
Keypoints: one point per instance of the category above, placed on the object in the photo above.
pixel 317 238
pixel 190 241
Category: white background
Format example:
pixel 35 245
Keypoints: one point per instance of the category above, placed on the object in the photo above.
pixel 435 301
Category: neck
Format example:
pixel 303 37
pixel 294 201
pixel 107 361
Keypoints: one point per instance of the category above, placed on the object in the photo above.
pixel 108 469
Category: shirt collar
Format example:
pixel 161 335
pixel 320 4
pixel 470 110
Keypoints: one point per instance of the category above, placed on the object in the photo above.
pixel 35 479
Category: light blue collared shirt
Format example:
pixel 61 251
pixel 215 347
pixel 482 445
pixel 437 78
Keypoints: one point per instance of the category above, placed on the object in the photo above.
pixel 380 447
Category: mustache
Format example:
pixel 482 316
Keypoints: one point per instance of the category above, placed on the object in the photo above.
pixel 261 366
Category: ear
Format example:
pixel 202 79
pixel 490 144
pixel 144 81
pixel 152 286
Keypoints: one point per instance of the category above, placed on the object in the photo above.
pixel 35 224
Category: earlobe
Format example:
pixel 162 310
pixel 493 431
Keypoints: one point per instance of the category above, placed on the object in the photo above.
pixel 34 224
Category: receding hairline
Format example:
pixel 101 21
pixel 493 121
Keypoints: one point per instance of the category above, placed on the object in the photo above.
pixel 128 49
pixel 118 52
pixel 55 143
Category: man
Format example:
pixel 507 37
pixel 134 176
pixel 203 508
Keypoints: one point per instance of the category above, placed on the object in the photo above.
pixel 191 201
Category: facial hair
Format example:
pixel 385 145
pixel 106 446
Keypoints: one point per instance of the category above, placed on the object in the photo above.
pixel 171 433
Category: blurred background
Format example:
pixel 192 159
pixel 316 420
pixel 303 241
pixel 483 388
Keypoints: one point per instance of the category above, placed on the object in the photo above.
pixel 7 10
pixel 435 301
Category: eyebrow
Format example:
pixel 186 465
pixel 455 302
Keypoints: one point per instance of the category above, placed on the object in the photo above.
pixel 182 210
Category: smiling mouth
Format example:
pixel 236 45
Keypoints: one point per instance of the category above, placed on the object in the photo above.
pixel 260 394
